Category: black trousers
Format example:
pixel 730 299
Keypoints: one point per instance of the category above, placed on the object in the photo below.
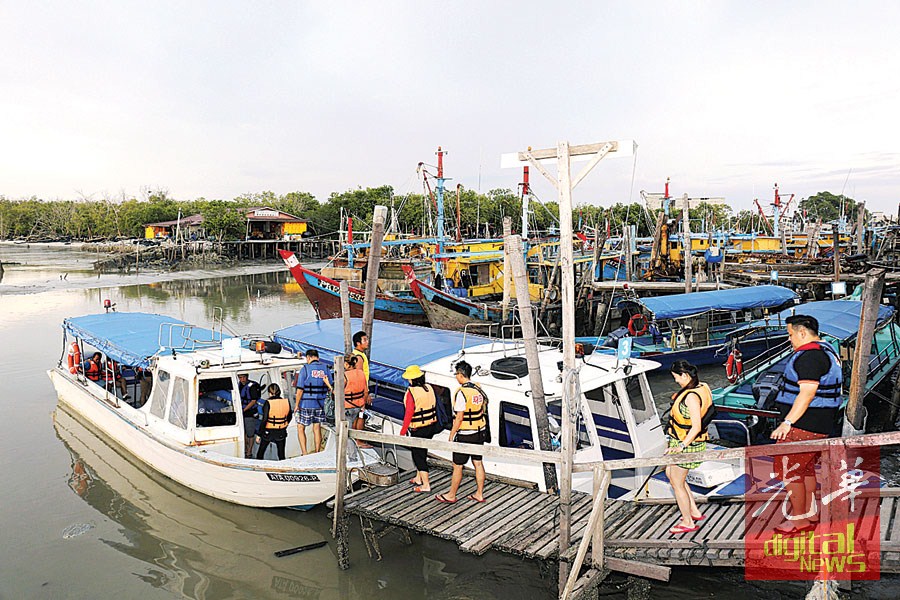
pixel 271 436
pixel 420 455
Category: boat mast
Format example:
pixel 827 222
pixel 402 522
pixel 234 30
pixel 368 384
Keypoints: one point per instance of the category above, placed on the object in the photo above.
pixel 776 216
pixel 440 206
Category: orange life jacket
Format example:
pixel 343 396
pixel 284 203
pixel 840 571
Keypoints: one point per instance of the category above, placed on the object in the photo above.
pixel 355 389
pixel 279 413
pixel 426 406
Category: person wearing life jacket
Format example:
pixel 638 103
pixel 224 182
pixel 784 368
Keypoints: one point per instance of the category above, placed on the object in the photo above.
pixel 112 375
pixel 419 421
pixel 314 384
pixel 809 404
pixel 356 391
pixel 251 395
pixel 276 416
pixel 360 346
pixel 690 415
pixel 93 368
pixel 469 427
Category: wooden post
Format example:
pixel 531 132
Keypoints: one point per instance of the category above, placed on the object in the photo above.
pixel 372 274
pixel 340 528
pixel 861 228
pixel 513 249
pixel 868 317
pixel 545 301
pixel 602 479
pixel 507 270
pixel 836 236
pixel 569 402
pixel 686 244
pixel 345 314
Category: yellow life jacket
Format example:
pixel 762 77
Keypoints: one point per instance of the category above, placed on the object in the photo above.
pixel 355 389
pixel 426 407
pixel 279 413
pixel 679 425
pixel 474 417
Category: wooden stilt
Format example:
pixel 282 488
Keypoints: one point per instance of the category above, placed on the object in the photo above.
pixel 686 245
pixel 345 314
pixel 868 317
pixel 368 317
pixel 340 526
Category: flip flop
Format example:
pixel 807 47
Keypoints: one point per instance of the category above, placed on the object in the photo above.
pixel 681 529
pixel 414 482
pixel 418 489
pixel 474 499
pixel 700 518
pixel 440 498
pixel 792 530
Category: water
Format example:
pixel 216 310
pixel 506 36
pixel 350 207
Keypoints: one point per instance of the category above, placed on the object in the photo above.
pixel 80 518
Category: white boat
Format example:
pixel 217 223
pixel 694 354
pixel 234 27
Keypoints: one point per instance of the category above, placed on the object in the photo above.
pixel 189 429
pixel 615 401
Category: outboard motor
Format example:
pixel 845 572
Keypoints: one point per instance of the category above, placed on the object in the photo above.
pixel 767 386
pixel 612 340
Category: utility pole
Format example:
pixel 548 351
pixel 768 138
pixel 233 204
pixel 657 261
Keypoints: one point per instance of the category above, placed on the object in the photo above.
pixel 564 183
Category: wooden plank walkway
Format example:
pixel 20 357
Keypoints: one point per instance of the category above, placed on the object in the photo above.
pixel 524 522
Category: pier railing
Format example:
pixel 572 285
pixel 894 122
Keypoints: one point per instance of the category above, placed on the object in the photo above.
pixel 602 475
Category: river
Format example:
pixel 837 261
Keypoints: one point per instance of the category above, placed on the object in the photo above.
pixel 80 518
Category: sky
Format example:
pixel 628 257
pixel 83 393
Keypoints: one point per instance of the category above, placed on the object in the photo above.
pixel 217 99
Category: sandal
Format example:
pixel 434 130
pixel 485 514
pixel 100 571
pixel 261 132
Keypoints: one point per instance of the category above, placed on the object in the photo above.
pixel 418 489
pixel 791 529
pixel 474 499
pixel 414 482
pixel 698 519
pixel 440 498
pixel 680 529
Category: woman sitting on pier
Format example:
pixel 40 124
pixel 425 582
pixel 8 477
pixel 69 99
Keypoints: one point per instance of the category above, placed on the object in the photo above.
pixel 691 412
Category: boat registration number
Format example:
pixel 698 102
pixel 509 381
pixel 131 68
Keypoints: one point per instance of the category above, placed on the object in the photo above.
pixel 289 477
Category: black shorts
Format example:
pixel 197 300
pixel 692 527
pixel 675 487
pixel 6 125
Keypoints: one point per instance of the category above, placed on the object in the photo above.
pixel 465 437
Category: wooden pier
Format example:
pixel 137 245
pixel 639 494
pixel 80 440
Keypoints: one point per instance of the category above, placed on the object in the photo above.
pixel 606 535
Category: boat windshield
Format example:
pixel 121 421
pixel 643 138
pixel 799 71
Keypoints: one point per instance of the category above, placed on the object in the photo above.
pixel 637 395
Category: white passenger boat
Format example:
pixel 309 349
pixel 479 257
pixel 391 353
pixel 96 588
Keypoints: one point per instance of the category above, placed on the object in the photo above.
pixel 616 414
pixel 191 426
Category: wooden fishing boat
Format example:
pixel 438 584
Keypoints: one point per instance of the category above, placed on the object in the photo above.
pixel 191 427
pixel 449 311
pixel 325 295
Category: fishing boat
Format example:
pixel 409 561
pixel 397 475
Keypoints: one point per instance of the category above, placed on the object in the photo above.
pixel 191 428
pixel 695 327
pixel 616 415
pixel 325 295
pixel 838 326
pixel 450 311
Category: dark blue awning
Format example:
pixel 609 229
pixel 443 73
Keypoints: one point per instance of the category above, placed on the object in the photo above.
pixel 837 318
pixel 132 338
pixel 678 306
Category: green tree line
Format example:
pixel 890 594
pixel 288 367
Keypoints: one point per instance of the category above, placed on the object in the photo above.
pixel 479 214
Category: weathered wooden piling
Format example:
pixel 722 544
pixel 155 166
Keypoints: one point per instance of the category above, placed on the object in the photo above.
pixel 378 219
pixel 345 313
pixel 340 529
pixel 868 318
pixel 686 245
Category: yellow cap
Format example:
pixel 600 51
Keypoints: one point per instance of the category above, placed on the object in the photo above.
pixel 413 372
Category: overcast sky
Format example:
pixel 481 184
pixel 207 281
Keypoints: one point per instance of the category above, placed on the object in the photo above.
pixel 216 99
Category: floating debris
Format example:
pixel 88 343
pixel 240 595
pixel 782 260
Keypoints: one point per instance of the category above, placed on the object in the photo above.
pixel 76 529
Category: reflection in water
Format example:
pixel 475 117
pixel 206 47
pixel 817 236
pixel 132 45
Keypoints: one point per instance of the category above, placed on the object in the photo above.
pixel 193 546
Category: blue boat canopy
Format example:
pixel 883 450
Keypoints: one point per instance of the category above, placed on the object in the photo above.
pixel 679 306
pixel 395 345
pixel 132 338
pixel 837 318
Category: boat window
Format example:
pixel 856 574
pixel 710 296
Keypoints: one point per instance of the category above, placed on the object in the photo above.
pixel 515 426
pixel 178 412
pixel 159 394
pixel 600 394
pixel 215 402
pixel 636 398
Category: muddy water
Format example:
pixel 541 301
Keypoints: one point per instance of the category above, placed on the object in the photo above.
pixel 81 519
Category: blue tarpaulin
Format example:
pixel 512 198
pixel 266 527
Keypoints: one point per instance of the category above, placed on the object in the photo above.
pixel 679 306
pixel 394 346
pixel 132 338
pixel 837 318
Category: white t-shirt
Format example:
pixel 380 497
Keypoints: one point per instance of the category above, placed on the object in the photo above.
pixel 459 401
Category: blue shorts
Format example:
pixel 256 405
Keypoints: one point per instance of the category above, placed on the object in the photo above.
pixel 310 416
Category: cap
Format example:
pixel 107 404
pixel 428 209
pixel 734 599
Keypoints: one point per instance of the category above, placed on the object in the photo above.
pixel 413 372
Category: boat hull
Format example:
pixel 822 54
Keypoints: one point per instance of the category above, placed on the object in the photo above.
pixel 446 311
pixel 296 483
pixel 325 295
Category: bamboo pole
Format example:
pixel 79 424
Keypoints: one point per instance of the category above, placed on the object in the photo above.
pixel 513 250
pixel 868 318
pixel 368 317
pixel 507 272
pixel 686 244
pixel 345 315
